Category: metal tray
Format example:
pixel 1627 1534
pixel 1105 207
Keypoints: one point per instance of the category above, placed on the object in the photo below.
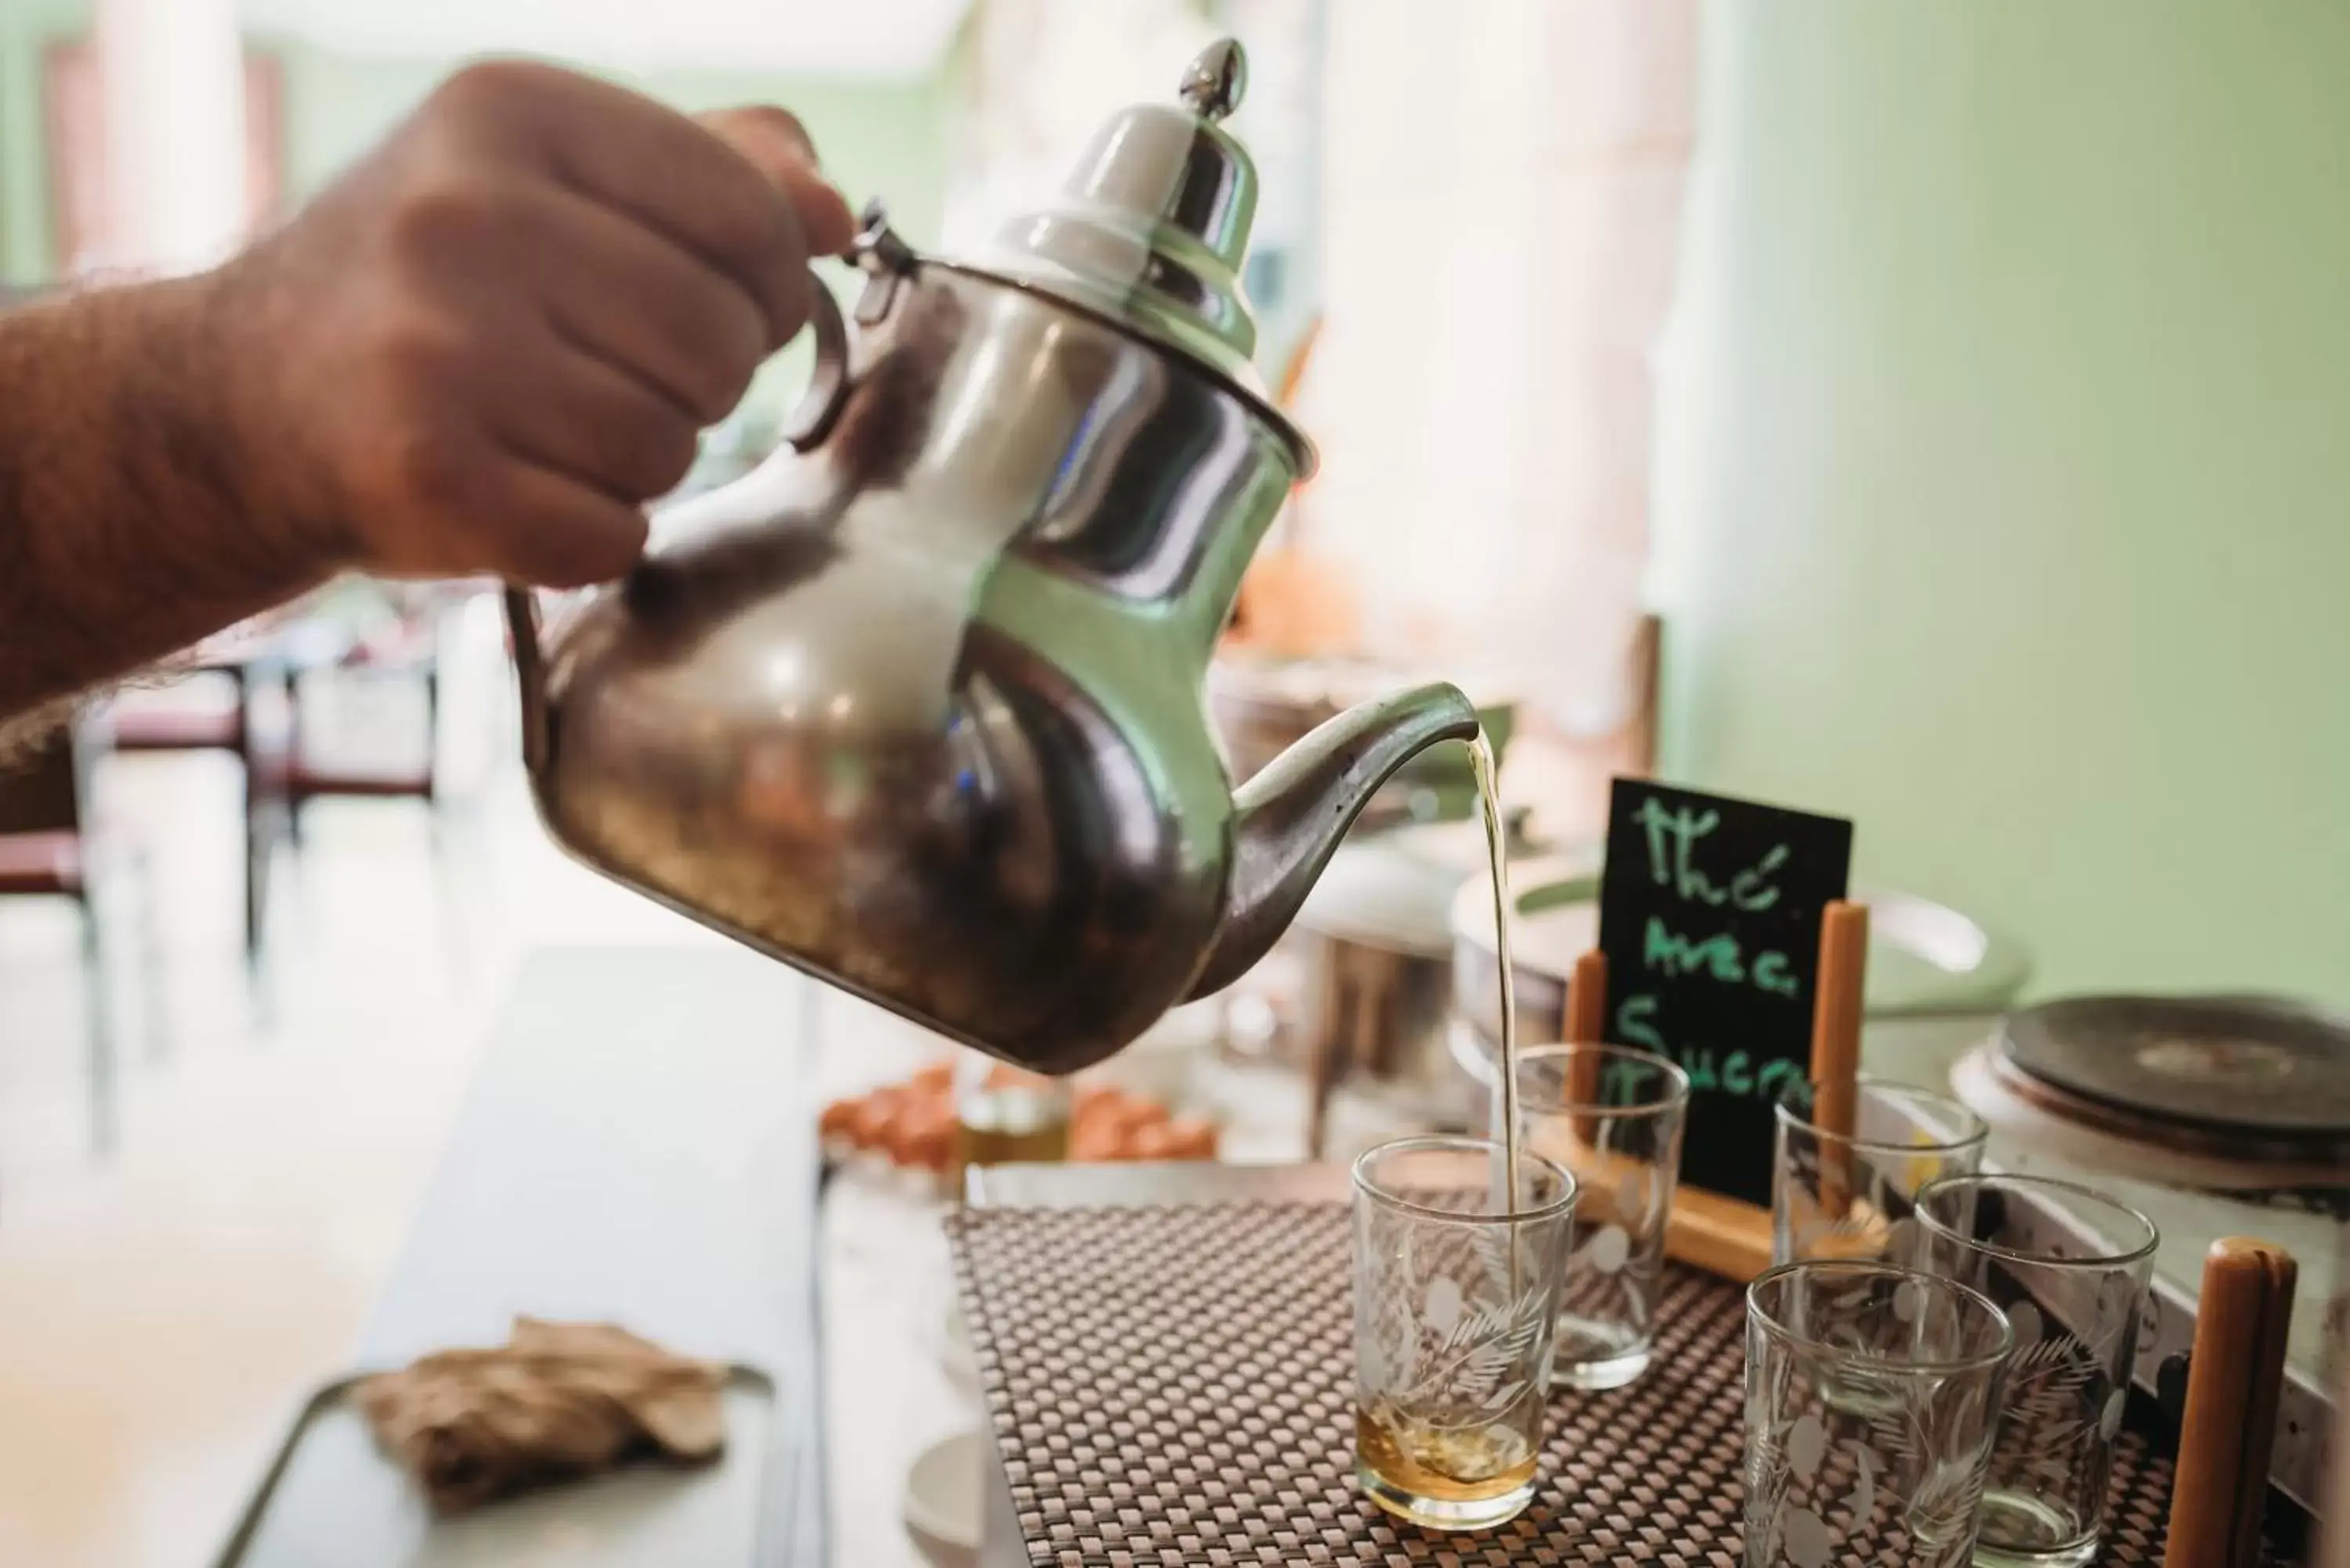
pixel 331 1499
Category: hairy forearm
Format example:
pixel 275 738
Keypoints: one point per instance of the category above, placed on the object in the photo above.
pixel 128 525
pixel 478 352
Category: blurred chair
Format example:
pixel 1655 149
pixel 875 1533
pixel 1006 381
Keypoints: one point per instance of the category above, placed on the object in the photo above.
pixel 410 651
pixel 250 660
pixel 280 668
pixel 48 849
pixel 401 642
pixel 408 648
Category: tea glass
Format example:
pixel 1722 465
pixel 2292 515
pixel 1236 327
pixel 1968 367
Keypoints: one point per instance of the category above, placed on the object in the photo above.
pixel 1872 1395
pixel 1456 1306
pixel 2070 1267
pixel 1850 1193
pixel 1612 1114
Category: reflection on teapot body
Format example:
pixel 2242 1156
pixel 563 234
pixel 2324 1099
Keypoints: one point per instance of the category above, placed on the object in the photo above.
pixel 917 704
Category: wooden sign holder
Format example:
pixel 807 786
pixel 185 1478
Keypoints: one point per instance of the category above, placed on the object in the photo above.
pixel 1729 1236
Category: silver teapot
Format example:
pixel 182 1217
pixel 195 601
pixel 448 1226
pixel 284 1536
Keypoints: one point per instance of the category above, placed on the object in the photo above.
pixel 916 704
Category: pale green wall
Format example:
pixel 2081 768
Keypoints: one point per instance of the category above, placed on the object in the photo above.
pixel 2004 479
pixel 26 28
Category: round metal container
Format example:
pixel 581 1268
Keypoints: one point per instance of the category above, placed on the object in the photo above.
pixel 2233 1076
pixel 1925 959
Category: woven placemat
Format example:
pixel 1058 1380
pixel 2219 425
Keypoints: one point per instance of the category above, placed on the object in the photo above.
pixel 1173 1388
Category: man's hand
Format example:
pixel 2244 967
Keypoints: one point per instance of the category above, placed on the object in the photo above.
pixel 478 352
pixel 487 344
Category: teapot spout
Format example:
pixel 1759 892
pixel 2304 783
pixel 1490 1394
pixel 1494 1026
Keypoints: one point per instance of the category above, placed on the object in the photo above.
pixel 1288 819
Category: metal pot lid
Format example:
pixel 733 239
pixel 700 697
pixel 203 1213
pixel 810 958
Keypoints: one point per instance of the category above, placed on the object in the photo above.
pixel 1152 228
pixel 2251 1064
pixel 1923 957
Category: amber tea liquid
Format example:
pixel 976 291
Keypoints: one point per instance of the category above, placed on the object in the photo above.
pixel 1011 1124
pixel 1446 1476
pixel 1489 801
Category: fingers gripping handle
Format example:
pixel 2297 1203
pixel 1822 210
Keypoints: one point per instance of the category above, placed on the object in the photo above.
pixel 885 256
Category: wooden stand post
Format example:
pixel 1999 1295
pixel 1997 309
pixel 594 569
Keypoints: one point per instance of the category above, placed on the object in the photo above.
pixel 2235 1375
pixel 1587 1024
pixel 1835 1046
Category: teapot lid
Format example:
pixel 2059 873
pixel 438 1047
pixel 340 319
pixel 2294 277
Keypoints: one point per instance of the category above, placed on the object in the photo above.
pixel 1153 225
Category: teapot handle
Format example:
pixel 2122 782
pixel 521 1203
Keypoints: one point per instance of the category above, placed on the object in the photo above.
pixel 819 407
pixel 805 426
pixel 530 674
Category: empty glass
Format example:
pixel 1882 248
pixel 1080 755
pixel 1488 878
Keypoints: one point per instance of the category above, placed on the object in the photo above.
pixel 1456 1300
pixel 1871 1396
pixel 1612 1116
pixel 1848 1194
pixel 2069 1266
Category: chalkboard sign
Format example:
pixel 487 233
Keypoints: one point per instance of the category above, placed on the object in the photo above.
pixel 1709 915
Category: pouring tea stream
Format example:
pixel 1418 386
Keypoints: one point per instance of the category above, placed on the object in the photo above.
pixel 917 704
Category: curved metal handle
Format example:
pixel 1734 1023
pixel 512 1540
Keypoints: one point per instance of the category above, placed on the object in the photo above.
pixel 819 406
pixel 530 675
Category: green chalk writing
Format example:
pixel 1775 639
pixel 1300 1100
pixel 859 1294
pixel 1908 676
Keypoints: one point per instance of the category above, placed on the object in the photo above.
pixel 1770 972
pixel 1632 1024
pixel 1677 955
pixel 1672 835
pixel 1749 891
pixel 1736 1073
pixel 1719 957
pixel 1623 1082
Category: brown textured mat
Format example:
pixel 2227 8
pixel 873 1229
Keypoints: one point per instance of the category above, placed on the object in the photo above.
pixel 1173 1388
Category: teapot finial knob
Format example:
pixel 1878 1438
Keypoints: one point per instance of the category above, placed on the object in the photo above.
pixel 1215 80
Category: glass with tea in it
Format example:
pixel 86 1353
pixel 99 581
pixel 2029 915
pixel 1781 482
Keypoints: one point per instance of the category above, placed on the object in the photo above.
pixel 1458 1269
pixel 1005 1116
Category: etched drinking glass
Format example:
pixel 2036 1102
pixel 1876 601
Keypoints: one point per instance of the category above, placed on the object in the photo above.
pixel 2070 1267
pixel 1872 1393
pixel 1612 1116
pixel 1456 1304
pixel 1850 1193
